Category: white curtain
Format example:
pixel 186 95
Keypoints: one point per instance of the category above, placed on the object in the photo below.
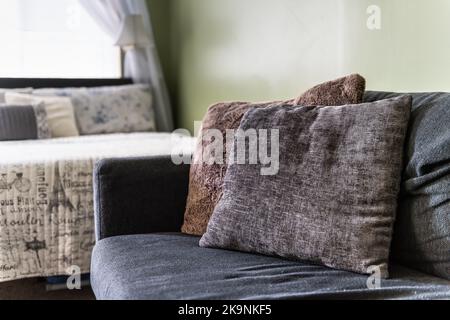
pixel 142 65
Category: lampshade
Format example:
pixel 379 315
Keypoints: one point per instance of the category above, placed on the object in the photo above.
pixel 132 32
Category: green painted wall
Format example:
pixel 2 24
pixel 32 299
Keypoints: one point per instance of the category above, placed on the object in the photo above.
pixel 161 16
pixel 160 13
pixel 411 52
pixel 215 50
pixel 250 50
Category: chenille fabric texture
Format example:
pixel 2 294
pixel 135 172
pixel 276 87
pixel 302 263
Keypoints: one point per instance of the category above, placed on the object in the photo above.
pixel 334 199
pixel 205 183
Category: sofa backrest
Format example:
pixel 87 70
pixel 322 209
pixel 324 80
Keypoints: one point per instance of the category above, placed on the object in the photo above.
pixel 422 232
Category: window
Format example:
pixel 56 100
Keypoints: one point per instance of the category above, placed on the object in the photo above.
pixel 54 39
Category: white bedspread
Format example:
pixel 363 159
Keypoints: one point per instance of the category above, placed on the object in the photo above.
pixel 46 198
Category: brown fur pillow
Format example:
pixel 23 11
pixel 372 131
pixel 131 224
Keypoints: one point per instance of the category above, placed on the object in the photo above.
pixel 205 185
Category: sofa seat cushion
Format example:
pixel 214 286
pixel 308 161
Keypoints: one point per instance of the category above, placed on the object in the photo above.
pixel 173 266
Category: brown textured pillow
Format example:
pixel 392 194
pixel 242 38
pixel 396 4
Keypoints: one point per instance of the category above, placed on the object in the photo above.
pixel 205 185
pixel 334 198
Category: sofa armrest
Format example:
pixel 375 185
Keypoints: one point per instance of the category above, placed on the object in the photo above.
pixel 139 196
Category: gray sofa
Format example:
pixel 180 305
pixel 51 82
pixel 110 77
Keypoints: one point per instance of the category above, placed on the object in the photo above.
pixel 140 253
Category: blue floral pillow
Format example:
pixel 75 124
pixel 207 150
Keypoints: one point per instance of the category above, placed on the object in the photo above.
pixel 116 109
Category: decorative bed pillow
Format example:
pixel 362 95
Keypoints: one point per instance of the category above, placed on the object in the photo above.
pixel 23 123
pixel 19 90
pixel 334 198
pixel 422 231
pixel 69 91
pixel 17 123
pixel 43 127
pixel 113 109
pixel 60 116
pixel 205 185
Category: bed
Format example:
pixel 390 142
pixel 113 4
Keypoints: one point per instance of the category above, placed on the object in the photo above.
pixel 46 192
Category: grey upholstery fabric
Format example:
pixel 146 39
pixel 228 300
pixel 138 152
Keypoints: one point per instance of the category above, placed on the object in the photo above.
pixel 334 198
pixel 172 266
pixel 422 232
pixel 135 196
pixel 17 123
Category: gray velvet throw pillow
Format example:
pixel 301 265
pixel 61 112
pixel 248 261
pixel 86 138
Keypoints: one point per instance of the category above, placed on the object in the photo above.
pixel 334 198
pixel 206 180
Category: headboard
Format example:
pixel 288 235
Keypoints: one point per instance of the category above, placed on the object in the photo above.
pixel 12 83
